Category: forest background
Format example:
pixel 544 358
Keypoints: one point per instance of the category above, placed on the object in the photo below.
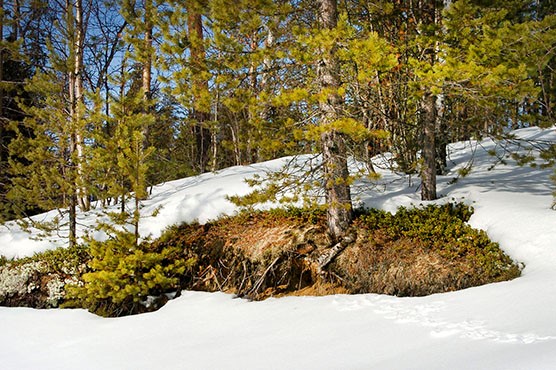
pixel 99 100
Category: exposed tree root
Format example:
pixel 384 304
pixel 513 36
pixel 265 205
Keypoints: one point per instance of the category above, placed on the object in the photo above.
pixel 324 259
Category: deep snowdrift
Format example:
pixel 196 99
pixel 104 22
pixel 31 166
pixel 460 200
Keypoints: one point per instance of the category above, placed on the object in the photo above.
pixel 510 325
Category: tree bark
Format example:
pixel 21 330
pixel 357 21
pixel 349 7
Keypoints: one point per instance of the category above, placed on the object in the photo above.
pixel 441 137
pixel 73 220
pixel 432 114
pixel 334 154
pixel 146 80
pixel 147 56
pixel 147 59
pixel 78 195
pixel 428 170
pixel 77 103
pixel 15 22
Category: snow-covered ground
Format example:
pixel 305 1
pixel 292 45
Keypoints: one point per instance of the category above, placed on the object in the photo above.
pixel 510 325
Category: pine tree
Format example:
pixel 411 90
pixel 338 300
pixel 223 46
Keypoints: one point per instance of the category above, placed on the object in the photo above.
pixel 337 60
pixel 200 76
pixel 186 61
pixel 336 174
pixel 121 161
pixel 50 140
pixel 451 73
pixel 123 275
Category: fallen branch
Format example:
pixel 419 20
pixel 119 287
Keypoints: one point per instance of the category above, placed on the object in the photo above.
pixel 324 259
pixel 261 279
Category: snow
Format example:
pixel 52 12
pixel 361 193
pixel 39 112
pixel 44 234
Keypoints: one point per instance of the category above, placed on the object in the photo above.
pixel 509 325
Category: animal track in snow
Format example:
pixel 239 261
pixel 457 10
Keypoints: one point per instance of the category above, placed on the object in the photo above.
pixel 425 314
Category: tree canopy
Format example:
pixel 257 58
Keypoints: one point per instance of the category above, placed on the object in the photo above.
pixel 100 100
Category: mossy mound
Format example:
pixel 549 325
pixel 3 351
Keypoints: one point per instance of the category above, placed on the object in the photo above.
pixel 412 253
pixel 418 252
pixel 253 255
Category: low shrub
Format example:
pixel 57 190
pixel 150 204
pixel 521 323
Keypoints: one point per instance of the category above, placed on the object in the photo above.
pixel 68 261
pixel 127 279
pixel 421 251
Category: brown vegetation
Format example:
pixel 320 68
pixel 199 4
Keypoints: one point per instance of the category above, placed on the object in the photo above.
pixel 262 254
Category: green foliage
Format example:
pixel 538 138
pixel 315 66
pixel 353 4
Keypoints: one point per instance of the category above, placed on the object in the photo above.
pixel 46 175
pixel 292 184
pixel 66 261
pixel 3 260
pixel 444 230
pixel 123 275
pixel 348 126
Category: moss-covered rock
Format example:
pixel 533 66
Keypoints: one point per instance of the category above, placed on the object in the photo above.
pixel 32 284
pixel 39 281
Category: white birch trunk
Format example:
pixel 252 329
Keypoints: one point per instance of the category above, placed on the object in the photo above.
pixel 78 106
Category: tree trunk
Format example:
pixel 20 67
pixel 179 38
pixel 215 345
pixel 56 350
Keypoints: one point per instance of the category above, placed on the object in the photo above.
pixel 147 62
pixel 252 151
pixel 147 66
pixel 198 65
pixel 432 112
pixel 334 155
pixel 15 20
pixel 73 220
pixel 336 177
pixel 77 103
pixel 428 170
pixel 146 78
pixel 78 194
pixel 442 136
pixel 440 101
pixel 266 112
pixel 214 141
pixel 3 151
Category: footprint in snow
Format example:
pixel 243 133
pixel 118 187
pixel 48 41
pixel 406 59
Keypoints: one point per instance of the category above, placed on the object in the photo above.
pixel 425 314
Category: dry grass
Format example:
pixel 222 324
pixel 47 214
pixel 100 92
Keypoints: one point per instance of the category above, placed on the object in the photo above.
pixel 262 255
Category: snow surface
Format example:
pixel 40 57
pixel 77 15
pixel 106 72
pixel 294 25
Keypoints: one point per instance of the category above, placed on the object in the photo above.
pixel 509 325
